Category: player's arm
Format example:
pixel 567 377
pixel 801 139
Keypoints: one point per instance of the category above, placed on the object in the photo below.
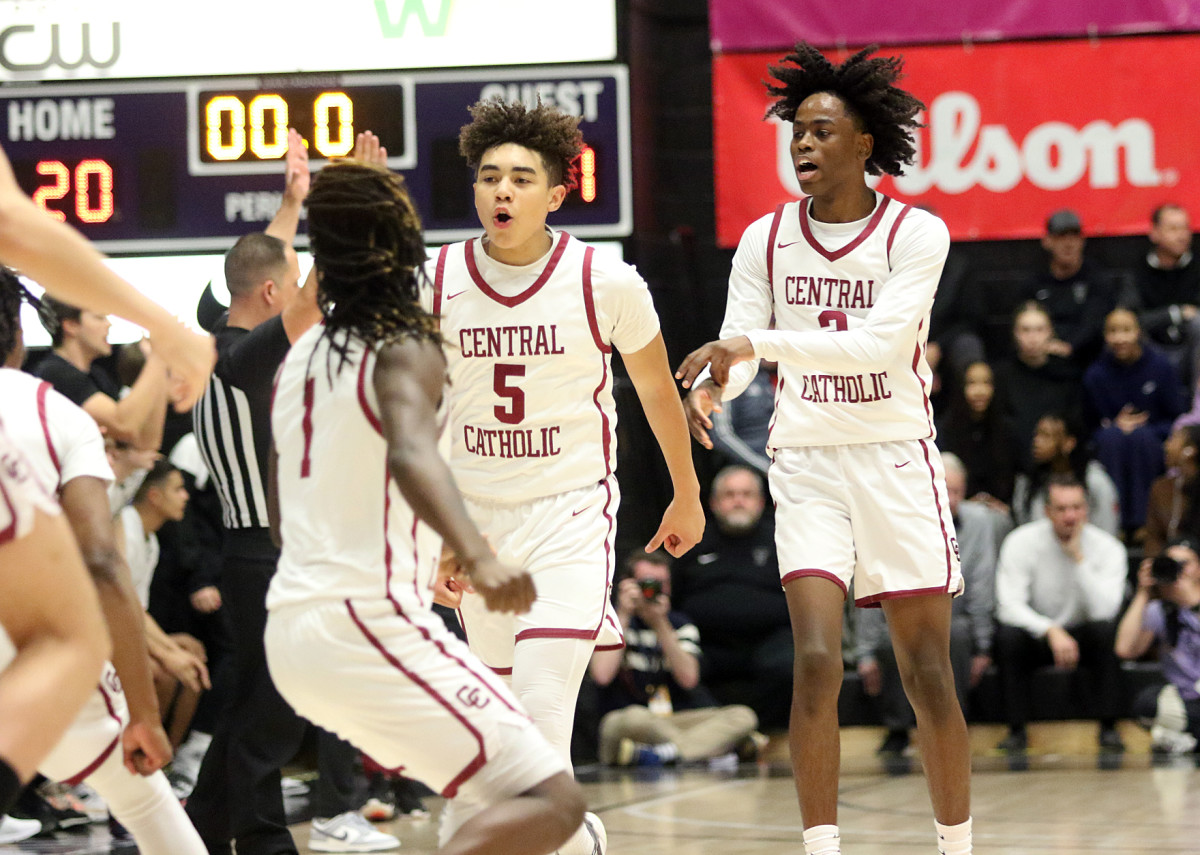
pixel 683 522
pixel 85 502
pixel 295 188
pixel 137 418
pixel 70 269
pixel 302 312
pixel 409 379
pixel 49 610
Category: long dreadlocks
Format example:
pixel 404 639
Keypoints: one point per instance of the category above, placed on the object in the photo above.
pixel 865 86
pixel 12 294
pixel 369 249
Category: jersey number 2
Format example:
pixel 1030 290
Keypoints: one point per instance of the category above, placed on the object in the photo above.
pixel 831 319
pixel 514 413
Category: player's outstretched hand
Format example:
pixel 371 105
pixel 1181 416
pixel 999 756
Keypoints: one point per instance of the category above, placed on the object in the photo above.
pixel 720 355
pixel 504 587
pixel 146 747
pixel 190 357
pixel 701 403
pixel 368 150
pixel 681 528
pixel 297 178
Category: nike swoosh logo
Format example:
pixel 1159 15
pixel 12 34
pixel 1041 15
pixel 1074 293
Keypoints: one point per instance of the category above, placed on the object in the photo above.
pixel 785 245
pixel 578 512
pixel 902 465
pixel 456 294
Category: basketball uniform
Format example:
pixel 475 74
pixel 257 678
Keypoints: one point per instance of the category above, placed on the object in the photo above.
pixel 351 640
pixel 533 425
pixel 858 481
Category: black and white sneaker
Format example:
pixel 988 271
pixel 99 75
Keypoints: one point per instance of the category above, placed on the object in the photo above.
pixel 596 829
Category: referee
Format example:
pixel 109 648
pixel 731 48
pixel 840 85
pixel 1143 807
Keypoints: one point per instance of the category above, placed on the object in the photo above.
pixel 238 794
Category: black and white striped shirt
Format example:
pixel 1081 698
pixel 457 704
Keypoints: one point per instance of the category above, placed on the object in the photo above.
pixel 232 421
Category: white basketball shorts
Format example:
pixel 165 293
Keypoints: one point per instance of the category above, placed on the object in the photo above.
pixel 875 514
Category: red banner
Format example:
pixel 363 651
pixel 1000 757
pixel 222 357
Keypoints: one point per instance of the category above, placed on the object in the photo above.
pixel 1014 132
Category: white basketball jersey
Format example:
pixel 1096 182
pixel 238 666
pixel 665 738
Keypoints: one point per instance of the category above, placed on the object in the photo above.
pixel 347 531
pixel 851 305
pixel 531 403
pixel 59 439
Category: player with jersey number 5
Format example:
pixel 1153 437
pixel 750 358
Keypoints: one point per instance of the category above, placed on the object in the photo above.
pixel 849 275
pixel 531 317
pixel 365 497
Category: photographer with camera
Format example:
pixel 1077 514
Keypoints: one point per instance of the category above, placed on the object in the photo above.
pixel 654 709
pixel 1165 610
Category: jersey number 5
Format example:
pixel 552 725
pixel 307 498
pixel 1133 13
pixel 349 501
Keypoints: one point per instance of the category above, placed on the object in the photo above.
pixel 514 413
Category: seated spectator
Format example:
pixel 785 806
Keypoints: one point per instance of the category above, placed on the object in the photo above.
pixel 1164 611
pixel 1059 584
pixel 79 339
pixel 981 436
pixel 971 623
pixel 1056 450
pixel 729 586
pixel 1075 291
pixel 1173 496
pixel 1132 396
pixel 654 709
pixel 741 427
pixel 1034 381
pixel 1166 290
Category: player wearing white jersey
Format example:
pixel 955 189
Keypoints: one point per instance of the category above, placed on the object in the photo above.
pixel 531 317
pixel 364 498
pixel 849 276
pixel 117 747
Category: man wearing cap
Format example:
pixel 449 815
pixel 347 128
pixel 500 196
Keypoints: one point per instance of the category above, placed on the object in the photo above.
pixel 1074 290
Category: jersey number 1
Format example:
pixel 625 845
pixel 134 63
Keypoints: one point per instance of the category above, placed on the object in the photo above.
pixel 514 413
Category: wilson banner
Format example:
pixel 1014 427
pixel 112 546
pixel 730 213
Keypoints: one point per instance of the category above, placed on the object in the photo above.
pixel 1013 132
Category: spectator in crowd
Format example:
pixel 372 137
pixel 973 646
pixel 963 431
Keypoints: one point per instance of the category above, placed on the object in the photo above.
pixel 729 586
pixel 1057 450
pixel 1166 290
pixel 954 342
pixel 977 431
pixel 1074 290
pixel 1173 496
pixel 80 338
pixel 1034 381
pixel 655 709
pixel 741 426
pixel 1132 396
pixel 1164 610
pixel 970 629
pixel 1059 585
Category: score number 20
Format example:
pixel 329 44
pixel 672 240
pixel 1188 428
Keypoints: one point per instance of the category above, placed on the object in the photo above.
pixel 231 126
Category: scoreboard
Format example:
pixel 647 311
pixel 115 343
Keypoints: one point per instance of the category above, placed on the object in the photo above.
pixel 189 164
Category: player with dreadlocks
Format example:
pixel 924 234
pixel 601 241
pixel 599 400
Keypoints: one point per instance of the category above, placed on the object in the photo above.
pixel 849 276
pixel 364 500
pixel 532 316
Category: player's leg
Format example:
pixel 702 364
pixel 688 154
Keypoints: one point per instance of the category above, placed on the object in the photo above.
pixel 536 821
pixel 50 613
pixel 920 632
pixel 815 606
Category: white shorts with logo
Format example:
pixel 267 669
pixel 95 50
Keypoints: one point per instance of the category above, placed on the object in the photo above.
pixel 20 493
pixel 93 735
pixel 566 542
pixel 401 687
pixel 875 514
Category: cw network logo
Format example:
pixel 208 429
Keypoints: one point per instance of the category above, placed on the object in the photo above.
pixel 22 47
pixel 432 25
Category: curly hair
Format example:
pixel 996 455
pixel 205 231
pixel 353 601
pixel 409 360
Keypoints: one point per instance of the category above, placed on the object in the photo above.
pixel 369 248
pixel 12 294
pixel 551 133
pixel 865 86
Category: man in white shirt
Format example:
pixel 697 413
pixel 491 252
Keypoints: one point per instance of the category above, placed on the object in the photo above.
pixel 1059 586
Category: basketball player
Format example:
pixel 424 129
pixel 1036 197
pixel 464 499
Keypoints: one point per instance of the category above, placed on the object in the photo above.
pixel 531 317
pixel 64 446
pixel 849 275
pixel 54 641
pixel 364 499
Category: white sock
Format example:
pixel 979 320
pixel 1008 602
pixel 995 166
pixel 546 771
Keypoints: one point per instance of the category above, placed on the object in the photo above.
pixel 148 808
pixel 954 839
pixel 822 840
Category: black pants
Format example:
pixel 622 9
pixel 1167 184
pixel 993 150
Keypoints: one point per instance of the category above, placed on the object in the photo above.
pixel 757 673
pixel 238 795
pixel 1018 654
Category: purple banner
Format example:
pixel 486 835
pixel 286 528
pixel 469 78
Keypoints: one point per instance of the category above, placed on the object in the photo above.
pixel 742 25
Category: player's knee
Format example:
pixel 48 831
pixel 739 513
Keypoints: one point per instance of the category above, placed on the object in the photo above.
pixel 566 803
pixel 928 681
pixel 817 668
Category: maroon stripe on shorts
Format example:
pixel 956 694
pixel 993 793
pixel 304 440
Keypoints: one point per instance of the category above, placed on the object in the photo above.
pixel 103 755
pixel 812 571
pixel 937 501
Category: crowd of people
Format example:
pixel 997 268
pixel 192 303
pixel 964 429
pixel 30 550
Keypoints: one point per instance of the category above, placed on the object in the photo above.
pixel 466 402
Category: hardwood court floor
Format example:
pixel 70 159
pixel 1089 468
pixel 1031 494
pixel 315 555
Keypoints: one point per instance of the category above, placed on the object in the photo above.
pixel 1066 800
